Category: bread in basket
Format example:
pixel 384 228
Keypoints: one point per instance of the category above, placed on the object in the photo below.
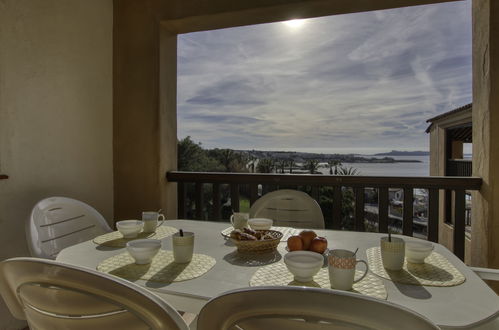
pixel 255 241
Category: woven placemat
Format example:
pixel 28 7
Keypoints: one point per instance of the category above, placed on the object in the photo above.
pixel 277 274
pixel 286 232
pixel 162 268
pixel 115 239
pixel 436 271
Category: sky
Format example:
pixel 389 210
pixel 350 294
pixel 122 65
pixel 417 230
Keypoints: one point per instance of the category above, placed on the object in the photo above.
pixel 356 83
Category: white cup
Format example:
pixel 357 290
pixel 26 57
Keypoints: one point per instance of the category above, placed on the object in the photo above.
pixel 260 223
pixel 183 247
pixel 151 221
pixel 342 264
pixel 143 250
pixel 129 228
pixel 392 253
pixel 239 220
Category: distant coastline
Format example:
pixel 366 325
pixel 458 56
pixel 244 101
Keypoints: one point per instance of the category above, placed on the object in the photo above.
pixel 404 153
pixel 299 156
pixel 192 157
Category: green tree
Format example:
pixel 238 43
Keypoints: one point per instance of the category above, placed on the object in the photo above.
pixel 265 165
pixel 347 209
pixel 312 166
pixel 291 164
pixel 230 160
pixel 347 206
pixel 224 156
pixel 333 163
pixel 192 157
pixel 347 199
pixel 281 164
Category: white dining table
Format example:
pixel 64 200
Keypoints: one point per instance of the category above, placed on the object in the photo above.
pixel 471 304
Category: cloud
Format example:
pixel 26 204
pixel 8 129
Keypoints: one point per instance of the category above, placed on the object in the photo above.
pixel 233 91
pixel 364 80
pixel 226 119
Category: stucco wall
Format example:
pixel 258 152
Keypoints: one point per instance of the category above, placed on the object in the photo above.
pixel 485 230
pixel 55 111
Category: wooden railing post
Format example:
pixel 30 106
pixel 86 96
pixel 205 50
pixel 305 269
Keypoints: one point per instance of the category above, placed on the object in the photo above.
pixel 359 209
pixel 408 212
pixel 265 189
pixel 199 201
pixel 253 193
pixel 216 202
pixel 459 224
pixel 433 204
pixel 383 210
pixel 315 193
pixel 234 197
pixel 337 200
pixel 181 200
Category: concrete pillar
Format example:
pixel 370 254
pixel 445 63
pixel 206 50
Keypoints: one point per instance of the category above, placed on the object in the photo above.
pixel 168 119
pixel 485 213
pixel 144 107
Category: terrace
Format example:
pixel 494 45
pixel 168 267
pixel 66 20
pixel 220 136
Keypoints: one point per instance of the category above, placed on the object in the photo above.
pixel 89 111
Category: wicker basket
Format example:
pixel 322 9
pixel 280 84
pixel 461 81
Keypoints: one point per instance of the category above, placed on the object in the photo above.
pixel 262 246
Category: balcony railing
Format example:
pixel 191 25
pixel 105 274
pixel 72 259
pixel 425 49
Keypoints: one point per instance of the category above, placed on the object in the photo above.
pixel 459 167
pixel 358 183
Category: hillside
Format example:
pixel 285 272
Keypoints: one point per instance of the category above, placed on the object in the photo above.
pixel 404 153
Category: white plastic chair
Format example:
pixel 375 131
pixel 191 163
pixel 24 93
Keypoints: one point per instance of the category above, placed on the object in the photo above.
pixel 58 222
pixel 486 273
pixel 51 295
pixel 291 208
pixel 300 308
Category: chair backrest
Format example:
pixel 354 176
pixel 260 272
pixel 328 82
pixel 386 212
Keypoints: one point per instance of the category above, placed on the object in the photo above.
pixel 51 295
pixel 300 308
pixel 291 208
pixel 59 222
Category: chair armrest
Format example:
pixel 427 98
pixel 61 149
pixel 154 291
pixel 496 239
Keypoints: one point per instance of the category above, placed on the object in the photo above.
pixel 486 273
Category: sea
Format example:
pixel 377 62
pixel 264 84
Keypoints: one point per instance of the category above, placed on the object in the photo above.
pixel 421 168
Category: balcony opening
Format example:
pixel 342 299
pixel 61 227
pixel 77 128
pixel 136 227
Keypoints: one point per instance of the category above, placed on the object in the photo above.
pixel 344 95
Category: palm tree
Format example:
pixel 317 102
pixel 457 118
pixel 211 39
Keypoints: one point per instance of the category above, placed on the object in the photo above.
pixel 348 171
pixel 333 163
pixel 312 165
pixel 250 161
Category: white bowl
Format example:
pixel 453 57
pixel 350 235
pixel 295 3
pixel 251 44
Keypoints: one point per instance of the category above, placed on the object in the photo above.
pixel 129 228
pixel 303 264
pixel 260 223
pixel 143 250
pixel 416 252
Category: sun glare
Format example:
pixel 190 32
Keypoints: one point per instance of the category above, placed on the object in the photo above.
pixel 295 23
